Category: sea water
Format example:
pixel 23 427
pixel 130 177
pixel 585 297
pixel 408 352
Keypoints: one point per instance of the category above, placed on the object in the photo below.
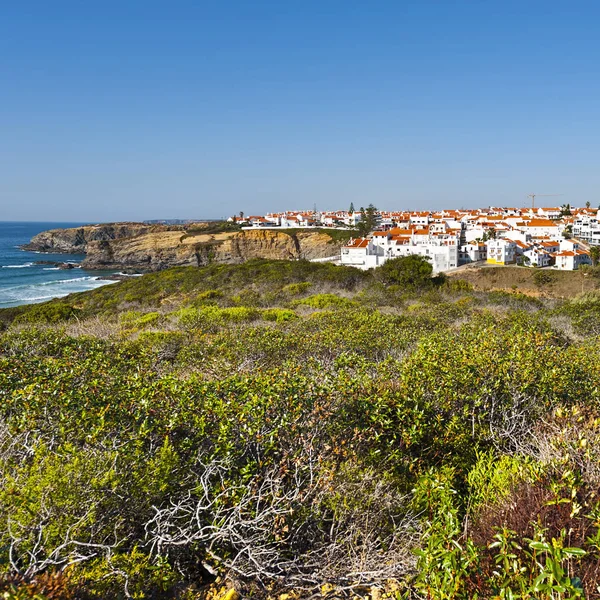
pixel 22 281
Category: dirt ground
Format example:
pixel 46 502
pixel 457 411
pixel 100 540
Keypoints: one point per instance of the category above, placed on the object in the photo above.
pixel 564 284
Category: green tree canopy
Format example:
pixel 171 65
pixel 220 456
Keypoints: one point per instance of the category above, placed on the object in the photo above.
pixel 368 220
pixel 565 210
pixel 412 271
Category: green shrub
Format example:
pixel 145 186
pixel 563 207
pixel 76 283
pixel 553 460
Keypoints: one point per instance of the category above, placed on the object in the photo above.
pixel 280 315
pixel 295 289
pixel 238 314
pixel 457 285
pixel 47 313
pixel 437 429
pixel 584 311
pixel 324 301
pixel 247 297
pixel 210 317
pixel 208 295
pixel 135 320
pixel 412 272
pixel 544 277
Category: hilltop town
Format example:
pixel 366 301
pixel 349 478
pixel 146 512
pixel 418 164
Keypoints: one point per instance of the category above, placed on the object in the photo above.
pixel 563 238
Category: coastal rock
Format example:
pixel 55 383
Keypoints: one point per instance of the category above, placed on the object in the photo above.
pixel 152 248
pixel 59 265
pixel 75 240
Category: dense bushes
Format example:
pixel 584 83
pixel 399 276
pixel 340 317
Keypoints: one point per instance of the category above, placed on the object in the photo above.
pixel 289 426
pixel 47 313
pixel 413 272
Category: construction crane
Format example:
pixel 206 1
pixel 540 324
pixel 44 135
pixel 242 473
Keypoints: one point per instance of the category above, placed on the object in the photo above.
pixel 534 196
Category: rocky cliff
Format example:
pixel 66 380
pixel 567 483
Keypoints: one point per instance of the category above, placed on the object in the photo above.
pixel 152 248
pixel 75 240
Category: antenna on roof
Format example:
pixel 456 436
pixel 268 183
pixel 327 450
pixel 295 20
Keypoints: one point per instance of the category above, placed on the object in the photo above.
pixel 533 196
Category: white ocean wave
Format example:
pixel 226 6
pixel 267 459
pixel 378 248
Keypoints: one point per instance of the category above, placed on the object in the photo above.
pixel 23 266
pixel 46 290
pixel 73 279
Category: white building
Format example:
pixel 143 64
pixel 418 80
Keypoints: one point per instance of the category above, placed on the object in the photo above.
pixel 366 254
pixel 587 229
pixel 501 252
pixel 537 257
pixel 569 260
pixel 540 228
pixel 361 253
pixel 472 252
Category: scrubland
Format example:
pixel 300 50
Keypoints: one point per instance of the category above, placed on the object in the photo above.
pixel 297 428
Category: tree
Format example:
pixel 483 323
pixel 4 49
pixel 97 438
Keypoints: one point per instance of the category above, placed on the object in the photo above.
pixel 351 209
pixel 412 271
pixel 565 210
pixel 588 204
pixel 241 215
pixel 524 260
pixel 595 255
pixel 368 220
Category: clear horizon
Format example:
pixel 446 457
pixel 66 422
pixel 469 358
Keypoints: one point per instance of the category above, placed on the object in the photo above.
pixel 142 110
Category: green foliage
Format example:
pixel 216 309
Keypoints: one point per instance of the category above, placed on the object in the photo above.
pixel 410 272
pixel 295 289
pixel 584 311
pixel 324 301
pixel 543 277
pixel 428 435
pixel 492 478
pixel 136 320
pixel 207 297
pixel 280 315
pixel 210 317
pixel 210 228
pixel 368 220
pixel 515 300
pixel 51 312
pixel 444 561
pixel 338 236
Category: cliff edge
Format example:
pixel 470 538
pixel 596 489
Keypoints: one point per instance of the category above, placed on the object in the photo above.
pixel 157 247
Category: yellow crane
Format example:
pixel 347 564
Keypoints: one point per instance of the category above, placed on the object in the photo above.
pixel 534 196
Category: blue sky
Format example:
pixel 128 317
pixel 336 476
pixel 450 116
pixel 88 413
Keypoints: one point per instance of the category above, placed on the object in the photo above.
pixel 138 110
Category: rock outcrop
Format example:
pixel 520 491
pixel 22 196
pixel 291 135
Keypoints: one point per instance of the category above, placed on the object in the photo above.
pixel 75 240
pixel 156 247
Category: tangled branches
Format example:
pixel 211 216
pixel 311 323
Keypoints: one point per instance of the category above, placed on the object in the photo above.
pixel 284 526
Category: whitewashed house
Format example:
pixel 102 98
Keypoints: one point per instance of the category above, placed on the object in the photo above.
pixel 570 260
pixel 472 252
pixel 501 252
pixel 587 229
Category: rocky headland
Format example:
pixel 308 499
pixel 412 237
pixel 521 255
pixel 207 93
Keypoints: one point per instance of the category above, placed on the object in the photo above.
pixel 144 247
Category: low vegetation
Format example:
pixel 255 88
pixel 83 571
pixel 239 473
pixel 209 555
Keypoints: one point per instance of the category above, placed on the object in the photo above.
pixel 336 235
pixel 303 429
pixel 211 228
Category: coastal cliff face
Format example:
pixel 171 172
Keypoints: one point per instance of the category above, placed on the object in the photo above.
pixel 75 240
pixel 152 248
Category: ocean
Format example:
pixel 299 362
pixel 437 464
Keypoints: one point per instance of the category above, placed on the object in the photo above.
pixel 24 282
